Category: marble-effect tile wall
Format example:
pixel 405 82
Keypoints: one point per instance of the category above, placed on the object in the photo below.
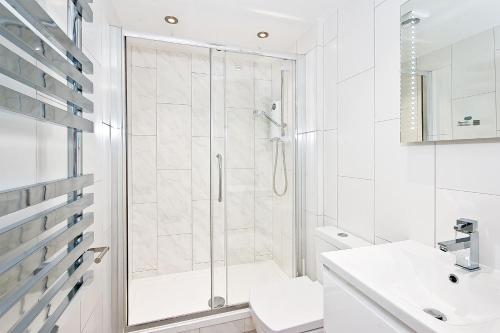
pixel 169 161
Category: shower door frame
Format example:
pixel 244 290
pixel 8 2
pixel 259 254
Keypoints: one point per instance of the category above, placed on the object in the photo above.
pixel 122 195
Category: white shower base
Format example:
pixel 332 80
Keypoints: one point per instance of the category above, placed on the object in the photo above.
pixel 165 296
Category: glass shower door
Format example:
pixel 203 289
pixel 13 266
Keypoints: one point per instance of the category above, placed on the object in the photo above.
pixel 172 250
pixel 252 122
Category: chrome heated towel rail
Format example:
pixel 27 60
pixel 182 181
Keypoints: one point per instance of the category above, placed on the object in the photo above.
pixel 45 255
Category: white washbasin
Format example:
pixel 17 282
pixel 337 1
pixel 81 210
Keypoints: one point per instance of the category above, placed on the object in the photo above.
pixel 407 277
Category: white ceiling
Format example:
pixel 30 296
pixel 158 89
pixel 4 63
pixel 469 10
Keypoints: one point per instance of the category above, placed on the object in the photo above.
pixel 226 22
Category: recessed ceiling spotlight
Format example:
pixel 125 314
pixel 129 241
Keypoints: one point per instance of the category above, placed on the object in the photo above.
pixel 263 34
pixel 171 19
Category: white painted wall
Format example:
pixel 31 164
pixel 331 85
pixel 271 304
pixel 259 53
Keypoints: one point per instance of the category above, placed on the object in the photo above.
pixel 33 152
pixel 358 175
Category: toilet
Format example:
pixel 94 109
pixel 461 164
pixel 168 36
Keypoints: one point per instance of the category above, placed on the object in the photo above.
pixel 296 305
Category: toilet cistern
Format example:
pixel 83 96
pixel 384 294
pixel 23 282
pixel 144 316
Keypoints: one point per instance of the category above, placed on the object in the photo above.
pixel 470 259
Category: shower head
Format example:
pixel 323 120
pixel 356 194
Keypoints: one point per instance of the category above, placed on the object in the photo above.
pixel 411 18
pixel 414 20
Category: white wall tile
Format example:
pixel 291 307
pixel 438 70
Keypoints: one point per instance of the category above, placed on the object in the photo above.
pixel 173 77
pixel 311 90
pixel 201 105
pixel 143 57
pixel 356 126
pixel 468 166
pixel 263 70
pixel 52 152
pixel 201 60
pixel 356 207
pixel 94 324
pixel 70 319
pixel 301 94
pixel 330 174
pixel 174 136
pixel 19 160
pixel 387 60
pixel 320 92
pixel 201 168
pixel 240 138
pixel 218 106
pixel 143 169
pixel 263 95
pixel 201 232
pixel 91 302
pixel 240 246
pixel 451 205
pixel 174 202
pixel 264 150
pixel 144 237
pixel 239 82
pixel 330 79
pixel 311 177
pixel 287 263
pixel 240 198
pixel 92 33
pixel 283 211
pixel 404 187
pixel 320 173
pixel 356 37
pixel 143 101
pixel 176 253
pixel 263 226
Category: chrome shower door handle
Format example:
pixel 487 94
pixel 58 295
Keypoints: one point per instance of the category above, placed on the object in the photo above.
pixel 219 161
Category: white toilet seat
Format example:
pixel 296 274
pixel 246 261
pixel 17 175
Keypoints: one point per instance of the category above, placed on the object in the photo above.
pixel 292 306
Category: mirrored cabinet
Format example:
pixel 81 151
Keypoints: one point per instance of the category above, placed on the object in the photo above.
pixel 450 70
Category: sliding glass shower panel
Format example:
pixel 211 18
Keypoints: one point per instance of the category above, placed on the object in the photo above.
pixel 169 140
pixel 259 168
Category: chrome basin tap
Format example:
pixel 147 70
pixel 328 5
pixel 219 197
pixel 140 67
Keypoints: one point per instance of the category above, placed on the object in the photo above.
pixel 470 259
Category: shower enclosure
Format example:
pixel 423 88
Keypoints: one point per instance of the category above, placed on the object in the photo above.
pixel 210 160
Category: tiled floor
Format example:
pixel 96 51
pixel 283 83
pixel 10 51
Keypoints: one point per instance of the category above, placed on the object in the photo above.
pixel 165 296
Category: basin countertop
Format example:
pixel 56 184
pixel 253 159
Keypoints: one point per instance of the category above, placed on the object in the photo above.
pixel 407 277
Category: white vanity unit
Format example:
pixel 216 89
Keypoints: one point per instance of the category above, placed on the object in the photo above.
pixel 407 287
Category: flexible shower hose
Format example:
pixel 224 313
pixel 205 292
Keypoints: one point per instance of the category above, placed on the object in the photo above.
pixel 276 166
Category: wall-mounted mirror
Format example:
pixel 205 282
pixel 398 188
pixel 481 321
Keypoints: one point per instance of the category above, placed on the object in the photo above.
pixel 450 70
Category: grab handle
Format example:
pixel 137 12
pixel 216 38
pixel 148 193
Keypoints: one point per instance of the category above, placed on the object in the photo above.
pixel 219 160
